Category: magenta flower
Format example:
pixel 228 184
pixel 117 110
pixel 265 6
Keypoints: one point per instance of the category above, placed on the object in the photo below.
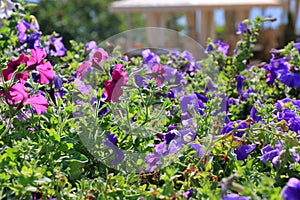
pixel 46 72
pixel 113 88
pixel 37 56
pixel 37 62
pixel 12 66
pixel 17 93
pixel 39 103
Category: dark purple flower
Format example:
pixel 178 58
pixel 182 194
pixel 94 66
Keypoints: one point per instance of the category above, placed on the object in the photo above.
pixel 57 81
pixel 112 138
pixel 103 109
pixel 171 133
pixel 240 81
pixel 271 154
pixel 55 47
pixel 243 151
pixel 292 189
pixel 187 194
pixel 280 103
pixel 202 97
pixel 253 114
pixel 230 126
pixel 289 78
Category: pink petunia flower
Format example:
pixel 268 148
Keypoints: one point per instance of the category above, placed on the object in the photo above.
pixel 17 93
pixel 113 88
pixel 37 56
pixel 12 66
pixel 82 68
pixel 39 103
pixel 46 72
pixel 97 57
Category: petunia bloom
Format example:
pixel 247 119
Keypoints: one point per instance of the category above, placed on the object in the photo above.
pixel 17 94
pixel 37 57
pixel 97 57
pixel 6 8
pixel 38 102
pixel 292 189
pixel 28 33
pixel 12 66
pixel 46 72
pixel 55 47
pixel 113 88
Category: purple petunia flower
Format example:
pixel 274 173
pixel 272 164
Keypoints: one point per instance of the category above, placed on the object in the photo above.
pixel 199 150
pixel 253 113
pixel 241 29
pixel 55 47
pixel 243 151
pixel 150 57
pixel 28 33
pixel 222 47
pixel 292 189
pixel 187 194
pixel 57 81
pixel 112 138
pixel 273 154
pixel 171 133
pixel 230 126
pixel 91 46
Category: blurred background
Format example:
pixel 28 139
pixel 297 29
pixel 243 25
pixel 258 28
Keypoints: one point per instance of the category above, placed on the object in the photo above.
pixel 98 20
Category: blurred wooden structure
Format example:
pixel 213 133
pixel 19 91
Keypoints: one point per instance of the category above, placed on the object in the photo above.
pixel 199 27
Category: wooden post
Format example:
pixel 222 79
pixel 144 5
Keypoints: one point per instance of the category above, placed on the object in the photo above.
pixel 207 26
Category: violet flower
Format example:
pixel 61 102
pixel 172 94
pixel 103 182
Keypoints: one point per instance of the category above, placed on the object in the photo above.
pixel 241 29
pixel 28 33
pixel 240 81
pixel 55 47
pixel 91 45
pixel 187 194
pixel 292 189
pixel 150 57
